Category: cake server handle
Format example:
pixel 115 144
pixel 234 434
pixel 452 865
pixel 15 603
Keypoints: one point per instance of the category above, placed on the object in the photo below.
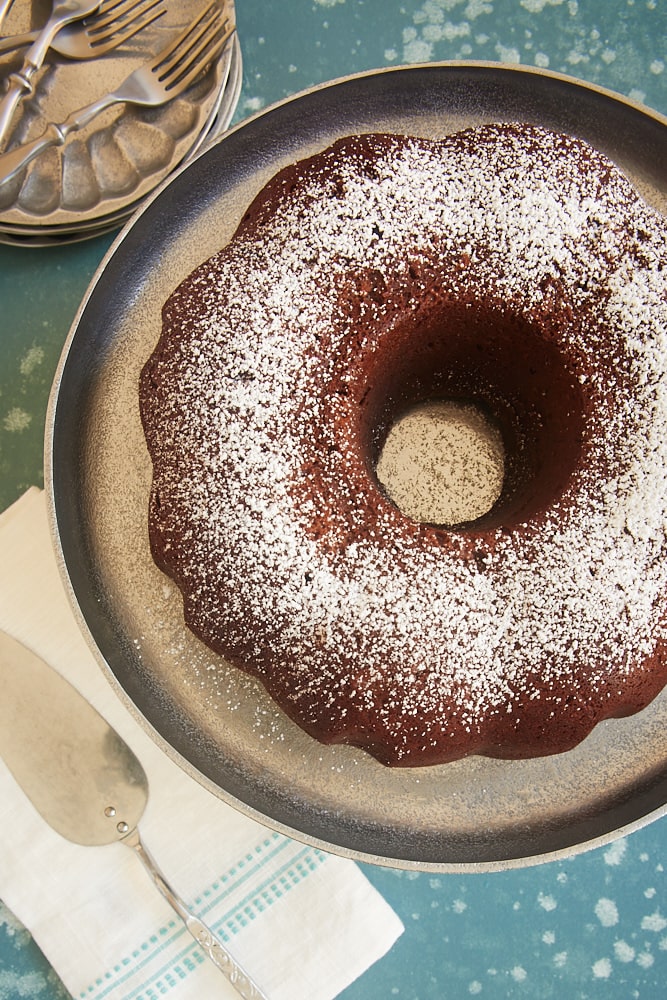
pixel 205 938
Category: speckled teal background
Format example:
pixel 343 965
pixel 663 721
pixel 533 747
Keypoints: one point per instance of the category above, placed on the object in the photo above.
pixel 594 926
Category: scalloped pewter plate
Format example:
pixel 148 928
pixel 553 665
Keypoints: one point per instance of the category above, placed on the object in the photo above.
pixel 42 236
pixel 106 169
pixel 475 814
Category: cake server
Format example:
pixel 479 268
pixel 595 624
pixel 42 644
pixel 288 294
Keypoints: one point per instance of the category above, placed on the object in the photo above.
pixel 83 779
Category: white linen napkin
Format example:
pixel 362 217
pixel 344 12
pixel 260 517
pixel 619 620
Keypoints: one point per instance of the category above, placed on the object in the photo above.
pixel 304 924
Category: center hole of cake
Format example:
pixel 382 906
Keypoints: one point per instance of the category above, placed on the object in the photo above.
pixel 443 463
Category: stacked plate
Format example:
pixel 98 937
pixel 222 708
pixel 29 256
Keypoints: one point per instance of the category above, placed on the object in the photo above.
pixel 99 177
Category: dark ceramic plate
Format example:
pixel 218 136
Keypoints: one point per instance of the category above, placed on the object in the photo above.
pixel 220 725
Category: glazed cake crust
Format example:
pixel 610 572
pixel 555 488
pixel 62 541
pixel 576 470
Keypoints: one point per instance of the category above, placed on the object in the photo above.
pixel 504 265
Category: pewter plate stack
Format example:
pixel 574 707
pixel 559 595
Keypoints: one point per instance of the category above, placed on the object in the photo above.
pixel 101 174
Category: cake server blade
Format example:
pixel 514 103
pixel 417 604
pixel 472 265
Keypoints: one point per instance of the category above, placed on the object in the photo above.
pixel 82 777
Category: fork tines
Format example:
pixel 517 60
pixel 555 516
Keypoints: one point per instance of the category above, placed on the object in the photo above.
pixel 195 48
pixel 121 19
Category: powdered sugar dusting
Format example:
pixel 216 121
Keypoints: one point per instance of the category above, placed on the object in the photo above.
pixel 443 463
pixel 366 629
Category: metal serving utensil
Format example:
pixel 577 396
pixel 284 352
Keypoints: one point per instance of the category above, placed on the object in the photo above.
pixel 166 76
pixel 22 82
pixel 83 779
pixel 114 24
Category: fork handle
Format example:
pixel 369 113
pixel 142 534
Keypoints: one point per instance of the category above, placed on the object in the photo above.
pixel 13 42
pixel 54 134
pixel 205 938
pixel 21 83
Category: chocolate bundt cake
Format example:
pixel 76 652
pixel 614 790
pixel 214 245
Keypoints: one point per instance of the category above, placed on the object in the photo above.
pixel 504 266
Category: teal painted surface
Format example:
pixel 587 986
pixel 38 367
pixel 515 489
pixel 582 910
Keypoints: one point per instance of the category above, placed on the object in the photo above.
pixel 591 927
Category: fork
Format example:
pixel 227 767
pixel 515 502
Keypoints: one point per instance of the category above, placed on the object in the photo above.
pixel 115 23
pixel 4 9
pixel 157 82
pixel 22 83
